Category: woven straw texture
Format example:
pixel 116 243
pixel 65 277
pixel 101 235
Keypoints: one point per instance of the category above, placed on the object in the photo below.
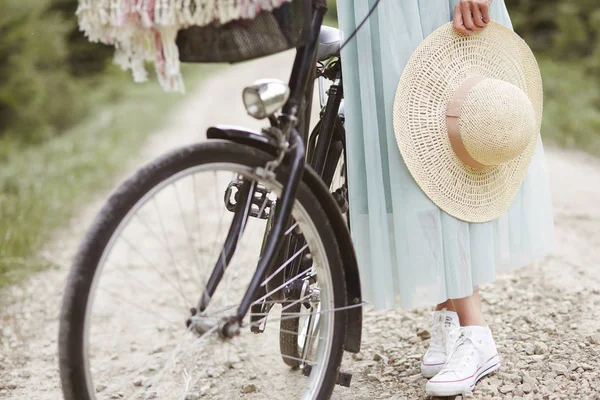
pixel 437 68
pixel 269 32
pixel 497 122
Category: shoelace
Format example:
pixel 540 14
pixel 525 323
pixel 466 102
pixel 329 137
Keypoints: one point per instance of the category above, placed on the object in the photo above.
pixel 463 351
pixel 439 331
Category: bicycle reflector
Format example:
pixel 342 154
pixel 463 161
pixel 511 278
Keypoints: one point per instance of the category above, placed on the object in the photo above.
pixel 265 97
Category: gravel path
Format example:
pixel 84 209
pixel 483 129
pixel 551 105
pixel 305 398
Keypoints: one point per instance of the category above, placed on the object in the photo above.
pixel 546 318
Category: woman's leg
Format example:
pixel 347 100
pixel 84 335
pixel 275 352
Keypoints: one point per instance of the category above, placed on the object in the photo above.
pixel 469 310
pixel 447 305
pixel 474 355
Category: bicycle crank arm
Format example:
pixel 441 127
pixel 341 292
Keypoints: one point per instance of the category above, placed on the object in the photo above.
pixel 238 224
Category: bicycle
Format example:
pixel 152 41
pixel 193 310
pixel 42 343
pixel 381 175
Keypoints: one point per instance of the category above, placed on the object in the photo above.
pixel 120 337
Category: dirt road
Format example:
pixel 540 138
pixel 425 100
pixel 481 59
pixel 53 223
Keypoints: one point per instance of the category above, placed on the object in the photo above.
pixel 546 318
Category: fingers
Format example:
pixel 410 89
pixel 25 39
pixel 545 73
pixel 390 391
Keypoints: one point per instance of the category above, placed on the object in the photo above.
pixel 477 13
pixel 458 22
pixel 471 16
pixel 467 14
pixel 485 13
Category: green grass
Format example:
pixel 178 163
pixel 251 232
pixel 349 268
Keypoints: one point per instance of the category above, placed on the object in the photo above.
pixel 42 186
pixel 571 107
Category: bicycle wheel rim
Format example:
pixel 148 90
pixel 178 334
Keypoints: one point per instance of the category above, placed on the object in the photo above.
pixel 301 215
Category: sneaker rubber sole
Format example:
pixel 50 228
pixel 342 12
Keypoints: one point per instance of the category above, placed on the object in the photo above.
pixel 431 370
pixel 454 388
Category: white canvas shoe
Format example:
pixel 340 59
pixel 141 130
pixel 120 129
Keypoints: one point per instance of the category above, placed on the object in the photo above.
pixel 474 356
pixel 445 330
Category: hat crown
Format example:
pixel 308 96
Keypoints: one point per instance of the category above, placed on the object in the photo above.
pixel 497 122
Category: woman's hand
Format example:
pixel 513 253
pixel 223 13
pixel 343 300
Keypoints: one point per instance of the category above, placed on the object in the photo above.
pixel 471 16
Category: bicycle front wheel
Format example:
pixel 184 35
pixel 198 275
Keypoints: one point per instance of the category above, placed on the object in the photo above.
pixel 144 264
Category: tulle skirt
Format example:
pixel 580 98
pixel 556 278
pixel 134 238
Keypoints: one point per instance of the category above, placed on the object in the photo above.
pixel 410 252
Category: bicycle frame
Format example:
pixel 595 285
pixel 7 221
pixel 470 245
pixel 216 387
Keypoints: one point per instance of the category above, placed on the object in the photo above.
pixel 292 112
pixel 318 154
pixel 336 94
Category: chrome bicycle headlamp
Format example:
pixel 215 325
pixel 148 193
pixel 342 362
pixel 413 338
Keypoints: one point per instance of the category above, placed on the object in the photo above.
pixel 265 97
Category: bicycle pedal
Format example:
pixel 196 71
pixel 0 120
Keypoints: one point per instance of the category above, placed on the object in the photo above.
pixel 307 370
pixel 258 319
pixel 343 379
pixel 259 328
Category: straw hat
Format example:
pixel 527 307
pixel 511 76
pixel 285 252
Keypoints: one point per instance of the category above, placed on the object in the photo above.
pixel 467 117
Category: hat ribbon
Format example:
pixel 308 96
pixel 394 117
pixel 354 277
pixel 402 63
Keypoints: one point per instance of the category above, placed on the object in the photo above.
pixel 453 121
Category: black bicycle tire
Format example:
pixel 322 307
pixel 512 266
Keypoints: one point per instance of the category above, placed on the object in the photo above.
pixel 288 338
pixel 74 377
pixel 332 161
pixel 289 328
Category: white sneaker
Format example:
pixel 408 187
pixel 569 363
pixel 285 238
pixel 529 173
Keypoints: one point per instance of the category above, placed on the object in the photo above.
pixel 474 356
pixel 445 330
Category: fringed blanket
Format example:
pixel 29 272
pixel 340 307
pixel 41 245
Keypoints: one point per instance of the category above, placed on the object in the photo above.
pixel 145 30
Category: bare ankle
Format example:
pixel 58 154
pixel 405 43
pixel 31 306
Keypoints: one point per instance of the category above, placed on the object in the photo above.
pixel 469 310
pixel 447 305
pixel 472 321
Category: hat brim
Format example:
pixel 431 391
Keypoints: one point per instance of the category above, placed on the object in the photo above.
pixel 437 67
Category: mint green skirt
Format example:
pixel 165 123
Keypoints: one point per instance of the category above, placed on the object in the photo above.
pixel 410 252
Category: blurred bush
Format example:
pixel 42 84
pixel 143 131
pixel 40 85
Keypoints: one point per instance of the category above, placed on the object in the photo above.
pixel 565 35
pixel 83 58
pixel 564 29
pixel 45 68
pixel 331 9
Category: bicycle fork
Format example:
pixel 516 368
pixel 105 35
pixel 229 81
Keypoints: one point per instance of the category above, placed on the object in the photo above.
pixel 231 325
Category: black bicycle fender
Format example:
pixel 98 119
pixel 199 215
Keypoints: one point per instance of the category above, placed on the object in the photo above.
pixel 243 136
pixel 349 261
pixel 350 264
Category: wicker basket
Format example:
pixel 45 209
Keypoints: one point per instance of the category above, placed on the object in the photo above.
pixel 270 32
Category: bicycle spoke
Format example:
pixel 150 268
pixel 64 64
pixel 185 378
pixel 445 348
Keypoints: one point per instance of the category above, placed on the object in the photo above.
pixel 300 314
pixel 281 286
pixel 177 288
pixel 285 264
pixel 290 229
pixel 168 246
pixel 133 278
pixel 119 296
pixel 299 301
pixel 187 231
pixel 295 333
pixel 178 351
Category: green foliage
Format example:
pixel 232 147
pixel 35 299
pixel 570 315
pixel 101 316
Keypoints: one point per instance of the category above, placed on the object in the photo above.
pixel 84 58
pixel 571 107
pixel 332 9
pixel 563 29
pixel 39 97
pixel 565 35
